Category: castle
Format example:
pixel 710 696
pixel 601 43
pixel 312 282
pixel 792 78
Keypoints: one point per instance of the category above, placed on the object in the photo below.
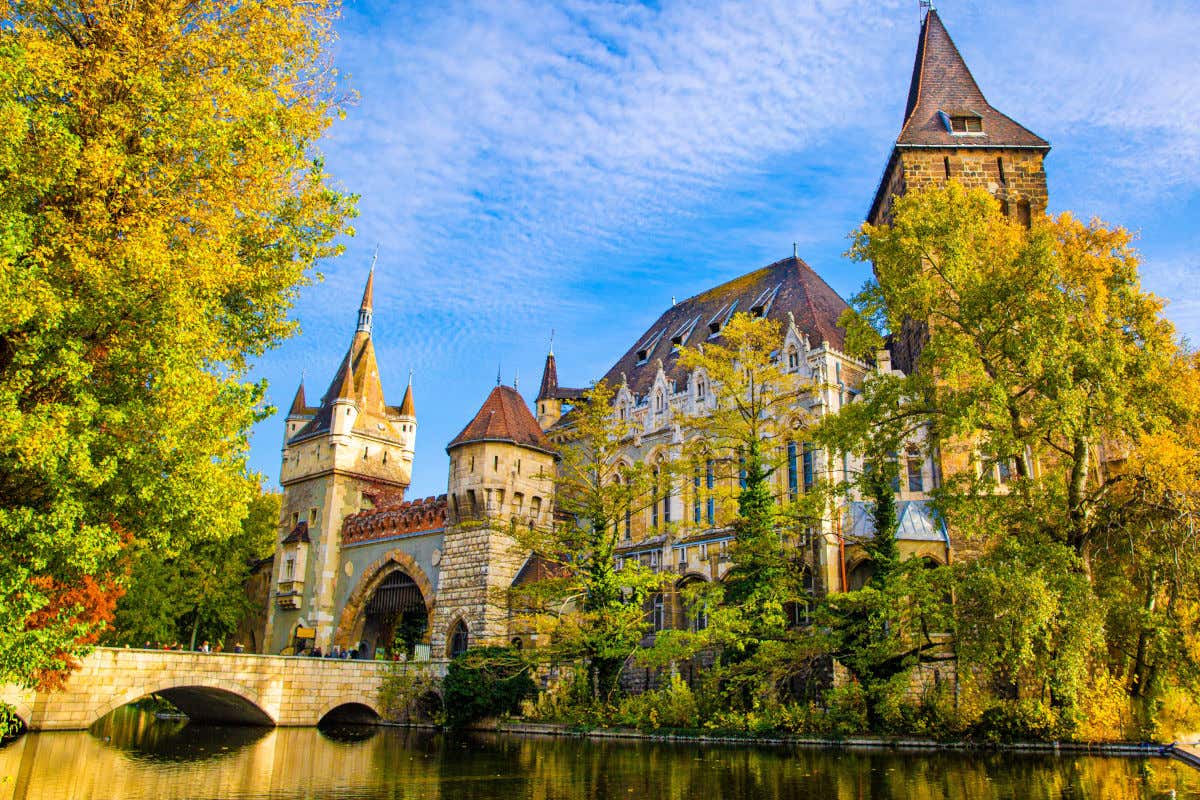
pixel 359 564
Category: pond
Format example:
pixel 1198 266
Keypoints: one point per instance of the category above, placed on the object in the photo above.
pixel 130 755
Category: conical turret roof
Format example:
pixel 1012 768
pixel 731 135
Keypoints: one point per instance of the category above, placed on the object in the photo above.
pixel 299 404
pixel 407 408
pixel 504 417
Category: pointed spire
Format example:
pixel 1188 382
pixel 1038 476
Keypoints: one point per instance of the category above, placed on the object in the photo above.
pixel 549 387
pixel 366 307
pixel 346 387
pixel 299 403
pixel 517 379
pixel 407 409
pixel 943 87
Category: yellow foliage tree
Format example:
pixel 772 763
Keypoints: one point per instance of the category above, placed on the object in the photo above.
pixel 161 202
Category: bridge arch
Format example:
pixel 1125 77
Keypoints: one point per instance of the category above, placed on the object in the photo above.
pixel 353 619
pixel 357 710
pixel 202 698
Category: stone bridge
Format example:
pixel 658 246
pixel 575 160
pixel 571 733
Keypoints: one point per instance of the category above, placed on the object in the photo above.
pixel 242 689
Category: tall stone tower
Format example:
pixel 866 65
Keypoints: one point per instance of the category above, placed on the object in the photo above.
pixel 501 476
pixel 350 453
pixel 951 132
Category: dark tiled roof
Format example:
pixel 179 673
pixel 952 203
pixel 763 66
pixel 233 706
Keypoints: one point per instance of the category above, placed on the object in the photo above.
pixel 550 390
pixel 298 534
pixel 299 406
pixel 941 82
pixel 786 286
pixel 504 417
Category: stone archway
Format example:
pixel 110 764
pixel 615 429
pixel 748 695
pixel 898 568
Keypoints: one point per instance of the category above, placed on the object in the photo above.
pixel 353 618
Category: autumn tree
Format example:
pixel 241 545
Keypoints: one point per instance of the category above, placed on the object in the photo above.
pixel 757 404
pixel 1041 373
pixel 590 613
pixel 161 202
pixel 1040 345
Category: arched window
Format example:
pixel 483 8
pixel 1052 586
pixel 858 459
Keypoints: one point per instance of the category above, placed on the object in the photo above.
pixel 913 465
pixel 793 358
pixel 657 612
pixel 459 639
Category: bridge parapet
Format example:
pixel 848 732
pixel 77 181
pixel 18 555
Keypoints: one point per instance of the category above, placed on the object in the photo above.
pixel 220 687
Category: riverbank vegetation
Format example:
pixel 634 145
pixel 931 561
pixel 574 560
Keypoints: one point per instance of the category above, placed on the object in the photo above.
pixel 1066 413
pixel 162 202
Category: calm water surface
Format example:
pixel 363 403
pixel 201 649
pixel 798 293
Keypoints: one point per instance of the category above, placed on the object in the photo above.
pixel 131 755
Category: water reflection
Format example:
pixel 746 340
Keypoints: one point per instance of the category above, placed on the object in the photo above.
pixel 144 758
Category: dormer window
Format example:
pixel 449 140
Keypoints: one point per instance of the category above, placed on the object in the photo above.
pixel 793 360
pixel 643 356
pixel 962 123
pixel 676 343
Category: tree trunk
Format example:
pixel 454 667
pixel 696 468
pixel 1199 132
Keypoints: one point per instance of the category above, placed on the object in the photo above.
pixel 1138 681
pixel 1081 456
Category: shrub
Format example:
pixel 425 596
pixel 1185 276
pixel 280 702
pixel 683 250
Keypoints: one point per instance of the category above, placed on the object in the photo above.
pixel 846 710
pixel 1016 721
pixel 405 692
pixel 673 706
pixel 485 682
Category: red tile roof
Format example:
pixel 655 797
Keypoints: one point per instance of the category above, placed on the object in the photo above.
pixel 415 516
pixel 504 417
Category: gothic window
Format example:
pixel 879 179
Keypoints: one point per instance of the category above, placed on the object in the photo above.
pixel 657 489
pixel 810 474
pixel 915 463
pixel 696 514
pixel 289 569
pixel 793 358
pixel 710 505
pixel 535 508
pixel 793 471
pixel 459 639
pixel 701 389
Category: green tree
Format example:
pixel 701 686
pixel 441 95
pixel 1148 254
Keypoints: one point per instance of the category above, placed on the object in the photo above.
pixel 161 203
pixel 1041 346
pixel 590 613
pixel 1041 375
pixel 191 592
pixel 900 618
pixel 757 406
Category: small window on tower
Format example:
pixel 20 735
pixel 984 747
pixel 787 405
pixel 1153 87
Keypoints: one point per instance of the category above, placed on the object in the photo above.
pixel 965 123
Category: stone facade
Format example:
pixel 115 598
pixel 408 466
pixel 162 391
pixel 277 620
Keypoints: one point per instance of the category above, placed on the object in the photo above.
pixel 346 527
pixel 501 476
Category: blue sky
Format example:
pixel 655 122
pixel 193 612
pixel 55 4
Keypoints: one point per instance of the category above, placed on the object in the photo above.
pixel 528 166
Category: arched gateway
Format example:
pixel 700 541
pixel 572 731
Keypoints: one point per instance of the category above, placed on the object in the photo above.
pixel 391 606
